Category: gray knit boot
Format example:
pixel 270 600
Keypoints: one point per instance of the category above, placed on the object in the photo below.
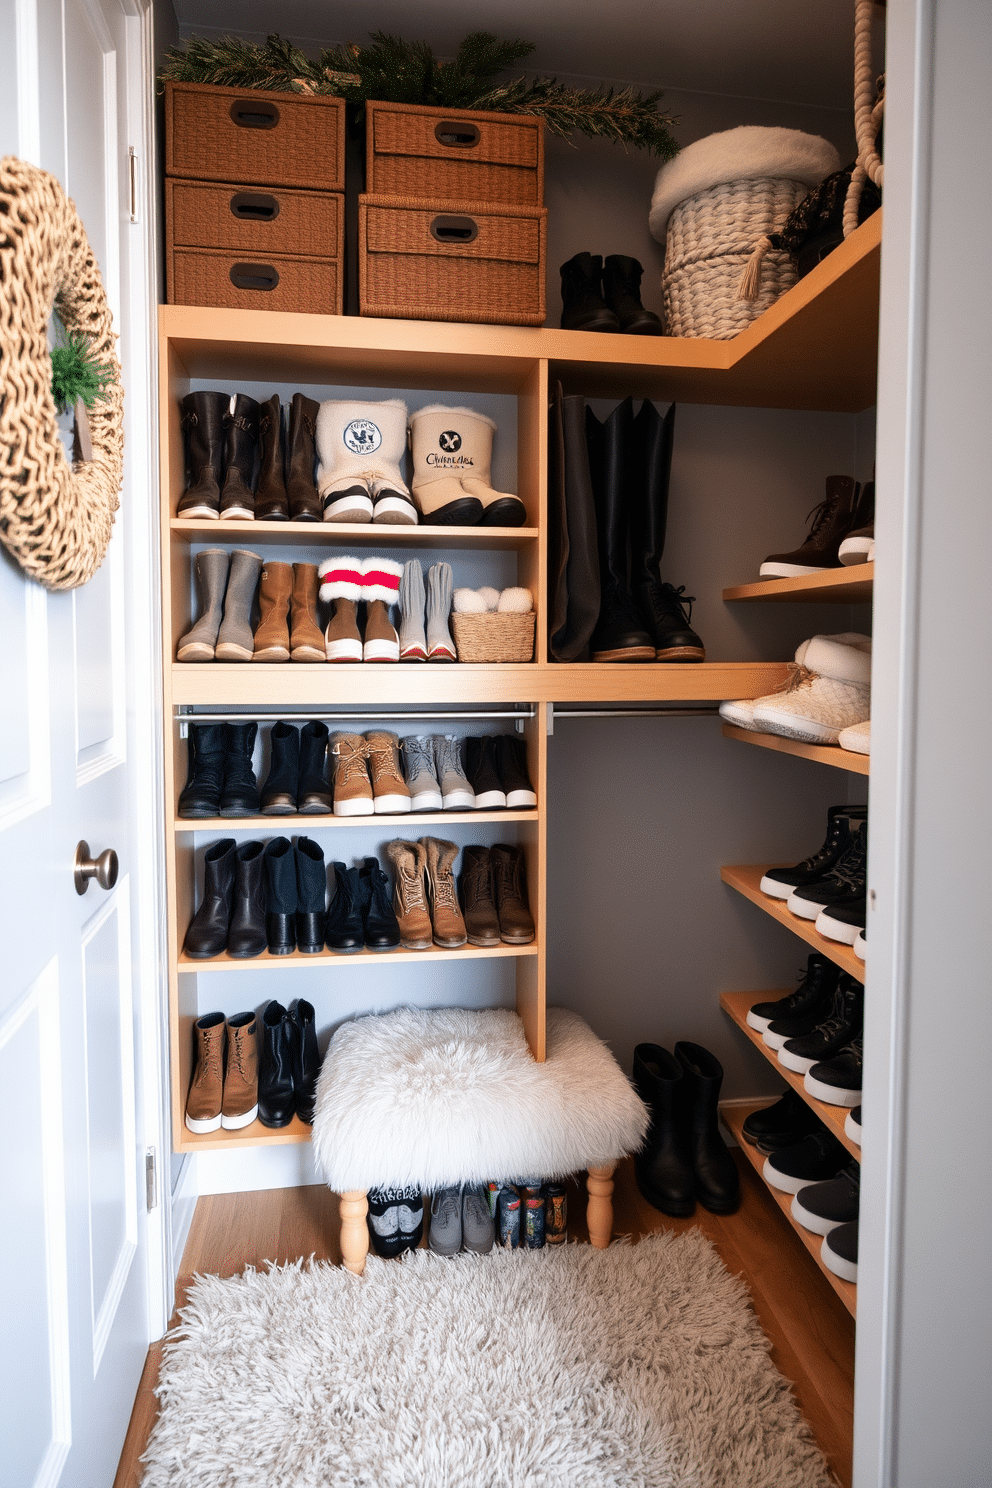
pixel 440 646
pixel 413 641
pixel 234 642
pixel 210 568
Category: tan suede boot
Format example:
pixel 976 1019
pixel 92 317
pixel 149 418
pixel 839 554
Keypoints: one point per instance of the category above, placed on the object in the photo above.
pixel 349 770
pixel 481 920
pixel 449 927
pixel 390 790
pixel 306 637
pixel 203 1104
pixel 341 581
pixel 380 589
pixel 516 925
pixel 272 635
pixel 409 862
pixel 240 1104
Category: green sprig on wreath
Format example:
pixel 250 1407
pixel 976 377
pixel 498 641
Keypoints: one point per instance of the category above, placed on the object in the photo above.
pixel 77 372
pixel 391 70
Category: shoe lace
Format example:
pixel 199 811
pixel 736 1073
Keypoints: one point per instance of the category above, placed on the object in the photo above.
pixel 237 1048
pixel 838 1017
pixel 446 1204
pixel 447 754
pixel 210 1064
pixel 413 887
pixel 351 755
pixel 508 884
pixel 443 887
pixel 478 879
pixel 849 870
pixel 821 515
pixel 419 756
pixel 382 760
pixel 667 600
pixel 378 886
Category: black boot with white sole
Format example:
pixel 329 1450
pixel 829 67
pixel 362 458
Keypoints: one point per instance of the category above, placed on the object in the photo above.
pixel 815 983
pixel 837 1081
pixel 844 920
pixel 842 1023
pixel 779 883
pixel 843 884
pixel 816 1158
pixel 839 1251
pixel 821 1207
pixel 852 1125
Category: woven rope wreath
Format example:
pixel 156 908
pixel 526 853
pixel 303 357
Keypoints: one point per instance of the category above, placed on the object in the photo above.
pixel 55 520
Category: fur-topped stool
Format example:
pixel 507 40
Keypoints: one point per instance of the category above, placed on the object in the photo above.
pixel 444 1096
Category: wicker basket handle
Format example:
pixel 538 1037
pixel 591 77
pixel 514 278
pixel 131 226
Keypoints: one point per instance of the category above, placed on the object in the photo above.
pixel 254 206
pixel 254 276
pixel 448 227
pixel 254 113
pixel 457 134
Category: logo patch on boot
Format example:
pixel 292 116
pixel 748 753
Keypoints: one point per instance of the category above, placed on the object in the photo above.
pixel 362 436
pixel 450 441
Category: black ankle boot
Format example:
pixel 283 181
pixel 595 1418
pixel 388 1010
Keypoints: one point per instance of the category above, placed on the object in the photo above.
pixel 715 1172
pixel 240 450
pixel 246 936
pixel 240 794
pixel 619 634
pixel 511 757
pixel 662 1167
pixel 311 895
pixel 483 773
pixel 202 423
pixel 382 931
pixel 344 917
pixel 314 794
pixel 207 745
pixel 307 1060
pixel 279 791
pixel 583 306
pixel 207 933
pixel 280 897
pixel 276 1089
pixel 622 293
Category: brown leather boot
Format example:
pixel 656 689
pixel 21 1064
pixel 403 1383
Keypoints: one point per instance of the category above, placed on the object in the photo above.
pixel 391 792
pixel 240 1104
pixel 301 455
pixel 272 635
pixel 341 581
pixel 832 520
pixel 516 925
pixel 203 1104
pixel 409 862
pixel 449 927
pixel 271 504
pixel 481 920
pixel 306 637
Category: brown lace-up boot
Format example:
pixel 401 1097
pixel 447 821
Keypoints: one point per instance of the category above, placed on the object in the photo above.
pixel 481 920
pixel 516 925
pixel 240 1104
pixel 203 1104
pixel 272 635
pixel 409 860
pixel 390 791
pixel 352 786
pixel 306 637
pixel 831 521
pixel 449 927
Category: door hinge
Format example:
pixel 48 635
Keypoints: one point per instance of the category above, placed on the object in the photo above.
pixel 151 1188
pixel 132 162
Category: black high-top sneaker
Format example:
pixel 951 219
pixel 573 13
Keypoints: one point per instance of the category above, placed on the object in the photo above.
pixel 844 919
pixel 817 1157
pixel 837 1081
pixel 824 1206
pixel 780 882
pixel 780 1125
pixel 844 884
pixel 839 1027
pixel 395 1220
pixel 816 983
pixel 483 773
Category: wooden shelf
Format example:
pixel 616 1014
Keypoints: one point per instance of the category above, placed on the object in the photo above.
pixel 345 959
pixel 280 826
pixel 823 754
pixel 735 1005
pixel 733 1114
pixel 746 878
pixel 351 534
pixel 852 585
pixel 255 1135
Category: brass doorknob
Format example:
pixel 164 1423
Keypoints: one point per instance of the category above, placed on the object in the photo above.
pixel 103 868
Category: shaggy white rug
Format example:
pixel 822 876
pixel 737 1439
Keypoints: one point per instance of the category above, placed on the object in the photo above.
pixel 640 1366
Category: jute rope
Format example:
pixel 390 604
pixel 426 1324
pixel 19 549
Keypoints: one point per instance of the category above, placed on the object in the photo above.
pixel 867 117
pixel 56 521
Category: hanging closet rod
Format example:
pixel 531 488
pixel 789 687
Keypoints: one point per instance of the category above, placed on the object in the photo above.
pixel 660 710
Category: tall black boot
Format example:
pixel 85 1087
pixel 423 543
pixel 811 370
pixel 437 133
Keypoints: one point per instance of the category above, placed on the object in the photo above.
pixel 662 1167
pixel 237 502
pixel 619 634
pixel 203 430
pixel 271 503
pixel 207 745
pixel 239 796
pixel 622 293
pixel 246 935
pixel 311 896
pixel 661 607
pixel 582 305
pixel 278 795
pixel 573 557
pixel 306 1067
pixel 207 932
pixel 280 897
pixel 276 1089
pixel 717 1182
pixel 314 793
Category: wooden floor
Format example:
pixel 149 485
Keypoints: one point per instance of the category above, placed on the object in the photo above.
pixel 811 1333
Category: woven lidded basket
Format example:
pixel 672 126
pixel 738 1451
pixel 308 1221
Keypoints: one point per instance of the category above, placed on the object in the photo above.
pixel 494 636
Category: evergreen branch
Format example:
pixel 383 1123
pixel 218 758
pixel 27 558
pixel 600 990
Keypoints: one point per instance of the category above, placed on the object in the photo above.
pixel 624 116
pixel 76 371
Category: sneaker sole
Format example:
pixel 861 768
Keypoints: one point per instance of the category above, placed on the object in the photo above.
pixel 235 1123
pixel 774 1040
pixel 852 1129
pixel 392 804
pixel 775 888
pixel 855 550
pixel 793 726
pixel 459 800
pixel 804 909
pixel 207 1124
pixel 784 1182
pixel 237 514
pixel 426 801
pixel 796 1062
pixel 846 1270
pixel 199 514
pixel 360 806
pixel 521 800
pixel 392 511
pixel 441 653
pixel 815 1223
pixel 831 1095
pixel 198 651
pixel 491 801
pixel 413 653
pixel 788 570
pixel 229 651
pixel 836 929
pixel 754 1020
pixel 351 509
pixel 343 651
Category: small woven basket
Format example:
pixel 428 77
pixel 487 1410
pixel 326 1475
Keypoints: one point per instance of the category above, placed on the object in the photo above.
pixel 494 636
pixel 708 244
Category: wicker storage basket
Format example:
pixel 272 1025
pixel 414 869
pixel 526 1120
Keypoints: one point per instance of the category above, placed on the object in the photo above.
pixel 494 636
pixel 204 214
pixel 444 260
pixel 709 242
pixel 454 155
pixel 267 139
pixel 203 276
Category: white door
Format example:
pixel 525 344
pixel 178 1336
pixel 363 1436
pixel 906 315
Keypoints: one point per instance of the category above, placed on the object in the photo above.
pixel 78 1005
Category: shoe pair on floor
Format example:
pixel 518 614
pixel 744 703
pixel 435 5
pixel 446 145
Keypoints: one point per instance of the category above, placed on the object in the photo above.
pixel 825 700
pixel 684 1156
pixel 460 1220
pixel 830 885
pixel 842 531
pixel 816 1031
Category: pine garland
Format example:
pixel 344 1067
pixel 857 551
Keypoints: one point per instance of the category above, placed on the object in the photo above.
pixel 392 70
pixel 76 372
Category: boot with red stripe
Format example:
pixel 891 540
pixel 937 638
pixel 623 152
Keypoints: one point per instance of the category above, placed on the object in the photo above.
pixel 380 589
pixel 342 583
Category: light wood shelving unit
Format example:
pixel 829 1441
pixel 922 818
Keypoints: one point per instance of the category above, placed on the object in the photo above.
pixel 834 586
pixel 823 754
pixel 746 878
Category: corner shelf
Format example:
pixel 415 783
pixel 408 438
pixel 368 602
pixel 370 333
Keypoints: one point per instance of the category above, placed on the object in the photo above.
pixel 746 878
pixel 853 585
pixel 735 1005
pixel 823 754
pixel 733 1114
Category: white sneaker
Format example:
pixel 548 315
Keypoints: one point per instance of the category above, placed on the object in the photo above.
pixel 829 692
pixel 857 738
pixel 741 712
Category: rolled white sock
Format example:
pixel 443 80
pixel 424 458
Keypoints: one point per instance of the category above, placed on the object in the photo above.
pixel 516 601
pixel 468 602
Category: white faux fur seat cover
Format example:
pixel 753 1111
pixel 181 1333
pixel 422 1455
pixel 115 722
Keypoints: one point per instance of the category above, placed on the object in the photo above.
pixel 451 1095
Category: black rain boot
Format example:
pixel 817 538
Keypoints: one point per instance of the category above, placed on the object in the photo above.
pixel 662 1167
pixel 573 555
pixel 660 606
pixel 301 454
pixel 307 1060
pixel 276 1090
pixel 280 897
pixel 583 306
pixel 207 933
pixel 344 917
pixel 717 1181
pixel 314 792
pixel 382 931
pixel 240 794
pixel 203 430
pixel 311 896
pixel 619 634
pixel 207 745
pixel 271 503
pixel 622 293
pixel 246 936
pixel 240 448
pixel 279 791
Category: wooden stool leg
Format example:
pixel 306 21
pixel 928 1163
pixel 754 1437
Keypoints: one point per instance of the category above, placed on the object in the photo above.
pixel 354 1231
pixel 599 1210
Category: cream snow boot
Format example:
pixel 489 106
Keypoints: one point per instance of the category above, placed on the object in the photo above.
pixel 830 691
pixel 452 455
pixel 360 447
pixel 741 712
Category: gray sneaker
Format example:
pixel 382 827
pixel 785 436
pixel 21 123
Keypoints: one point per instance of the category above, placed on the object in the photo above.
pixel 456 791
pixel 445 1237
pixel 478 1230
pixel 418 762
